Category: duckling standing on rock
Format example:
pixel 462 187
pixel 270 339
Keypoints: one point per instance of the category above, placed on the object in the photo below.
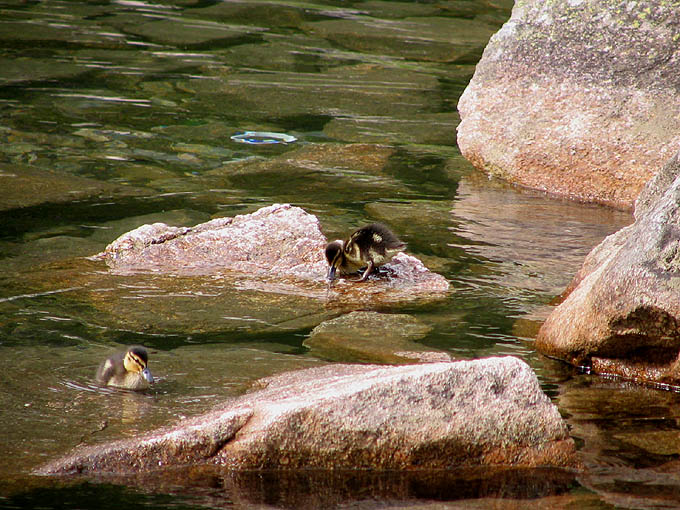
pixel 126 370
pixel 368 247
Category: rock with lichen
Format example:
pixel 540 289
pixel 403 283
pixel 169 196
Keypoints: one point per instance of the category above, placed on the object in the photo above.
pixel 577 98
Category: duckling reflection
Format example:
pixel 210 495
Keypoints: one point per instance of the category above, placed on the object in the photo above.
pixel 369 247
pixel 126 370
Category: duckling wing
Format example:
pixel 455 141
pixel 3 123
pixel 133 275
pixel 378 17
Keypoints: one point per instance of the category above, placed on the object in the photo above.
pixel 111 367
pixel 374 242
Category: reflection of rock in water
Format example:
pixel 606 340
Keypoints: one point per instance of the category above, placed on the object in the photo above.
pixel 216 487
pixel 629 440
pixel 327 489
pixel 537 243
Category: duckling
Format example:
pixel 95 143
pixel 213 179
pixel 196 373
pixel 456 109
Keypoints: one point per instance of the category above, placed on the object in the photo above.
pixel 126 369
pixel 369 247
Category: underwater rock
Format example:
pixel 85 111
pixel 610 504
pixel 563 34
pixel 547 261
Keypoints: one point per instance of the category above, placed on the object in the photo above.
pixel 27 186
pixel 371 337
pixel 554 108
pixel 435 39
pixel 432 128
pixel 422 416
pixel 278 242
pixel 622 314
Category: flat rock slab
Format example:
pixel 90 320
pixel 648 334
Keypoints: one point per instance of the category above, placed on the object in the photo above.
pixel 27 186
pixel 555 108
pixel 275 245
pixel 622 314
pixel 372 337
pixel 424 416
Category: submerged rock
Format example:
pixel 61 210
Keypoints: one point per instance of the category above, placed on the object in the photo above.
pixel 424 38
pixel 27 186
pixel 622 315
pixel 372 337
pixel 424 416
pixel 555 108
pixel 275 244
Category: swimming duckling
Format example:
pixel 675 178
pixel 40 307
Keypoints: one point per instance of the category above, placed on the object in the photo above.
pixel 368 247
pixel 126 369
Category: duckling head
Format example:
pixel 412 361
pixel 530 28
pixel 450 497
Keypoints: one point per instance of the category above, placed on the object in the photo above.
pixel 136 360
pixel 335 257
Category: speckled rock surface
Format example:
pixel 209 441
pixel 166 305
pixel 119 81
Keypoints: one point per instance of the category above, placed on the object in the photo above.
pixel 622 315
pixel 424 416
pixel 279 239
pixel 577 98
pixel 273 244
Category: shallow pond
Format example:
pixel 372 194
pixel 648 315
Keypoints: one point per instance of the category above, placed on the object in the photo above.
pixel 117 114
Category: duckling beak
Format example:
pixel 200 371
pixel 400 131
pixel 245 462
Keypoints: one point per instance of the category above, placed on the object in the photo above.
pixel 331 273
pixel 147 375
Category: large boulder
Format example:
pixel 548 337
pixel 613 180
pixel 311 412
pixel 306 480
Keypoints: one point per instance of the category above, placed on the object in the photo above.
pixel 577 97
pixel 279 247
pixel 423 416
pixel 622 313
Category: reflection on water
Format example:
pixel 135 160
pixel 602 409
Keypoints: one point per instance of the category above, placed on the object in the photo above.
pixel 118 114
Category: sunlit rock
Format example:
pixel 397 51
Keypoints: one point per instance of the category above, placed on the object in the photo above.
pixel 422 416
pixel 275 240
pixel 579 99
pixel 623 311
pixel 281 245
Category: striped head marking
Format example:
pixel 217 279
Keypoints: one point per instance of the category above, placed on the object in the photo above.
pixel 136 360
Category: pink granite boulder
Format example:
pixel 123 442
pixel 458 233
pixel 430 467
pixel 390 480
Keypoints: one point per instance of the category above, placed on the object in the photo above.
pixel 423 416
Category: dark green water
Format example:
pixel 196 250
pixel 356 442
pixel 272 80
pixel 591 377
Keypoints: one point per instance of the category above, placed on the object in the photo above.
pixel 117 114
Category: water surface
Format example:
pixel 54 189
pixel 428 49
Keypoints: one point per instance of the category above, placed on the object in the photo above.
pixel 117 114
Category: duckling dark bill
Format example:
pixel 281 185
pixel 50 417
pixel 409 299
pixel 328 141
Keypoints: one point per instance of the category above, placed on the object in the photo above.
pixel 365 250
pixel 128 370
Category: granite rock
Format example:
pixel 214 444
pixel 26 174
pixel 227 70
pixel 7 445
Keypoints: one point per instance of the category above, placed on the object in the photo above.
pixel 273 245
pixel 577 98
pixel 422 416
pixel 622 313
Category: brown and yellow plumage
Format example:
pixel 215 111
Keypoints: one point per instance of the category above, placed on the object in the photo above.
pixel 369 247
pixel 126 370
